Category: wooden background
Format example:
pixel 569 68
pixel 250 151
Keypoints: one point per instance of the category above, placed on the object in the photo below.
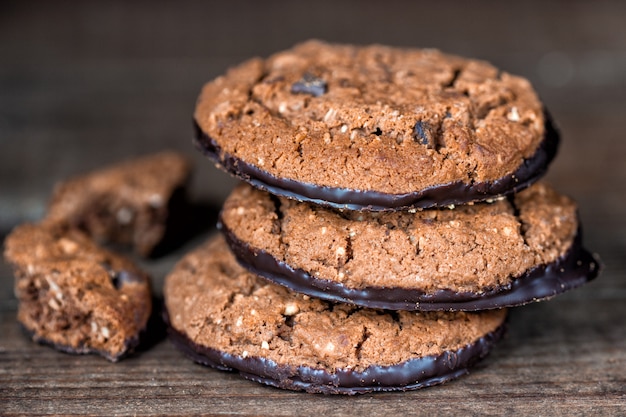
pixel 83 84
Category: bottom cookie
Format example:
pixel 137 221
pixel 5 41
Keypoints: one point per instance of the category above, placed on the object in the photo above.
pixel 222 316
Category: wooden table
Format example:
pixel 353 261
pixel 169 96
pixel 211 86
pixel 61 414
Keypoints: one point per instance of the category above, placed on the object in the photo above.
pixel 83 84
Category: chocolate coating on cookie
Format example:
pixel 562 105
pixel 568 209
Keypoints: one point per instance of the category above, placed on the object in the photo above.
pixel 225 317
pixel 309 84
pixel 445 195
pixel 410 375
pixel 74 295
pixel 574 269
pixel 506 253
pixel 394 128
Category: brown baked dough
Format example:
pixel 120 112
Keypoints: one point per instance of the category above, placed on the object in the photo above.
pixel 75 295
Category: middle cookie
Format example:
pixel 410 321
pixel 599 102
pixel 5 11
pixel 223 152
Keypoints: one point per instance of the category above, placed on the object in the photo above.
pixel 510 252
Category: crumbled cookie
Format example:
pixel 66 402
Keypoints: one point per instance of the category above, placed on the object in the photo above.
pixel 223 316
pixel 131 203
pixel 505 253
pixel 375 127
pixel 75 295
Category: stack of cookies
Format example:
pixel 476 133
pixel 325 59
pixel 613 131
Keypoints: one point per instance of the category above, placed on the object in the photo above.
pixel 390 213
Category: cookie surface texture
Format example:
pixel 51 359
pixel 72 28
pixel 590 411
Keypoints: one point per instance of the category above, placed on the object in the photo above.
pixel 375 127
pixel 509 252
pixel 75 295
pixel 223 316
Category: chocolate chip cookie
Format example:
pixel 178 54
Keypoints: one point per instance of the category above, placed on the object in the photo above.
pixel 513 251
pixel 225 317
pixel 375 127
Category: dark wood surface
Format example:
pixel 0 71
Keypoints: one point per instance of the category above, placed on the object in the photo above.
pixel 83 84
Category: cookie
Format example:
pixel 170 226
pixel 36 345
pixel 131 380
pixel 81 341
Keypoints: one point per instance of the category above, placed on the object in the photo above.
pixel 75 295
pixel 225 317
pixel 131 203
pixel 510 252
pixel 375 127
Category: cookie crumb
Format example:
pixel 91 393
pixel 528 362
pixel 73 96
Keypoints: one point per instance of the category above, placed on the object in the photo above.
pixel 513 114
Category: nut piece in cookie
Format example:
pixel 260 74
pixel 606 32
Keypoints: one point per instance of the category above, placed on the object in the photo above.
pixel 132 203
pixel 225 317
pixel 75 295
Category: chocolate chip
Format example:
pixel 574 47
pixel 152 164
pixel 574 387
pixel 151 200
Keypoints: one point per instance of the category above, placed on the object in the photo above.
pixel 120 278
pixel 127 277
pixel 422 133
pixel 310 84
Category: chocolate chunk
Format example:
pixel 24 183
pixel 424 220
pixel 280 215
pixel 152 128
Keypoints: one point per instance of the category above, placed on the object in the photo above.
pixel 423 133
pixel 121 278
pixel 310 84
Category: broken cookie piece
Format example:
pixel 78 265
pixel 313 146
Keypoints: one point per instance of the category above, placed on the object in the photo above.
pixel 75 295
pixel 131 203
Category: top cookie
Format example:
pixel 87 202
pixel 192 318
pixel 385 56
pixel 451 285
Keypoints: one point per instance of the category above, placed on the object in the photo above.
pixel 375 127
